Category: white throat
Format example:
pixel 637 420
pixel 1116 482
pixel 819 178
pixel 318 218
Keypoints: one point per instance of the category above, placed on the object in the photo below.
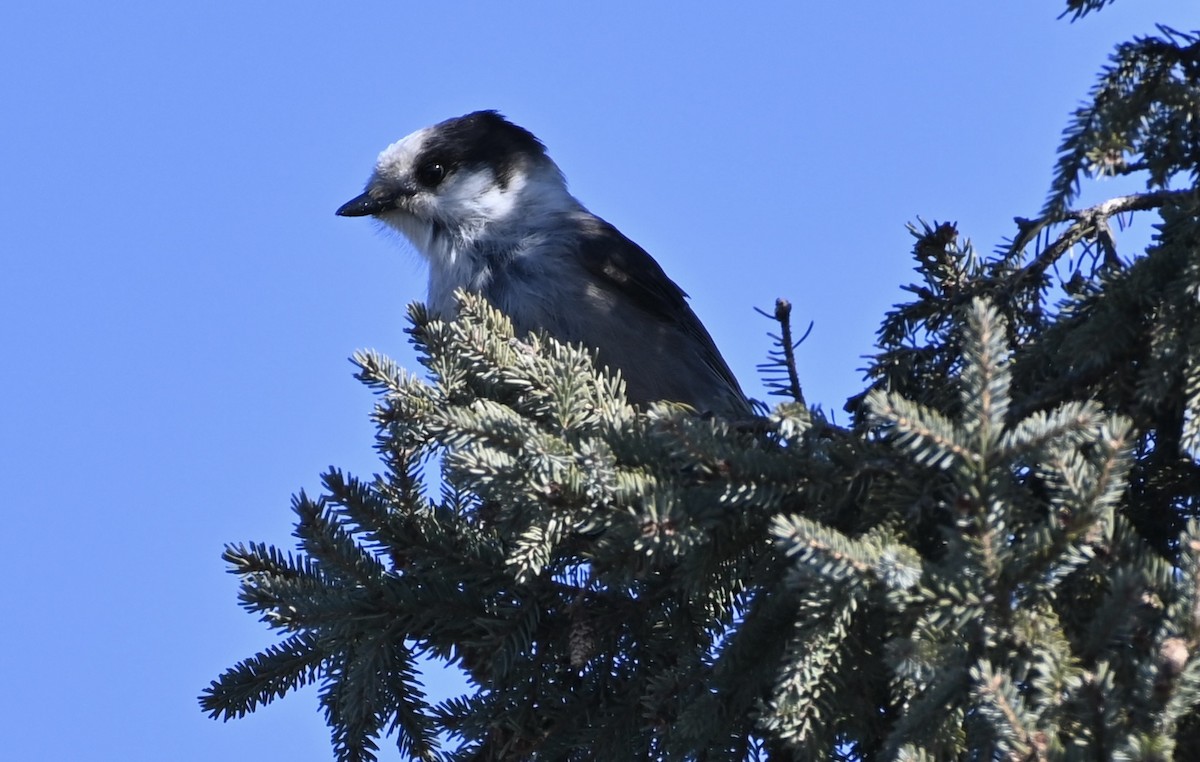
pixel 474 226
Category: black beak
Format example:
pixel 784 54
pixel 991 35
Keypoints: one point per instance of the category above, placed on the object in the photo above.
pixel 365 205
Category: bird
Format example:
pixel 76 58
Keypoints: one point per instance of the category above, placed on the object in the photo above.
pixel 482 201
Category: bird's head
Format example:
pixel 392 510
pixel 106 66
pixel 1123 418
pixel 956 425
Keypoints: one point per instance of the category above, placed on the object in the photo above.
pixel 460 180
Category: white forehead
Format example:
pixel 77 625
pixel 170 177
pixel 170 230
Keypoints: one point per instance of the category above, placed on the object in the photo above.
pixel 403 152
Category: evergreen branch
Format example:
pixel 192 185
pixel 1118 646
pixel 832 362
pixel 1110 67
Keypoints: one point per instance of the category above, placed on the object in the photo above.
pixel 1114 123
pixel 1071 424
pixel 931 718
pixel 1115 617
pixel 1081 8
pixel 378 518
pixel 379 373
pixel 354 725
pixel 258 558
pixel 1187 614
pixel 986 379
pixel 260 679
pixel 829 555
pixel 1179 676
pixel 790 422
pixel 282 588
pixel 369 682
pixel 400 689
pixel 744 669
pixel 1104 331
pixel 484 425
pixel 1189 439
pixel 954 578
pixel 829 551
pixel 336 549
pixel 534 549
pixel 998 697
pixel 1047 669
pixel 1110 465
pixel 288 603
pixel 1083 495
pixel 930 437
pixel 798 710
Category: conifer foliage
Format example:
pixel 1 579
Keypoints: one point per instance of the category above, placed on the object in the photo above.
pixel 997 559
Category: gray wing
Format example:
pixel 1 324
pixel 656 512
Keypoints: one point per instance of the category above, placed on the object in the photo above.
pixel 626 269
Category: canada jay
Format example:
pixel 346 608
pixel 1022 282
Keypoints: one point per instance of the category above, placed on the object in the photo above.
pixel 481 200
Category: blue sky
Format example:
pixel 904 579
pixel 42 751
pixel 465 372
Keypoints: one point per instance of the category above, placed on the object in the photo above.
pixel 179 299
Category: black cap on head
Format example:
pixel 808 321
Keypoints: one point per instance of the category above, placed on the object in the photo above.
pixel 482 138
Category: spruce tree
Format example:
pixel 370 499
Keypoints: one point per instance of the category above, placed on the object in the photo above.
pixel 996 559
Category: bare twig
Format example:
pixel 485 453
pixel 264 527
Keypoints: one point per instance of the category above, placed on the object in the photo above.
pixel 786 354
pixel 1089 223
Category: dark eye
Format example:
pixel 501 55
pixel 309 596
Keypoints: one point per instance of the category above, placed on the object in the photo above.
pixel 431 173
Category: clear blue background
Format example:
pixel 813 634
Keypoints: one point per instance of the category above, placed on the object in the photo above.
pixel 179 299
